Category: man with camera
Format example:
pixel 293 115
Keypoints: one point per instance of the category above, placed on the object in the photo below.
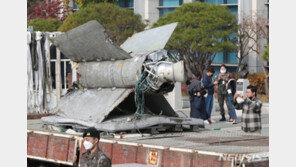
pixel 251 106
pixel 197 99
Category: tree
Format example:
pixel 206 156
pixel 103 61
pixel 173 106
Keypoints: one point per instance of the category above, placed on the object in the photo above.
pixel 84 3
pixel 119 23
pixel 203 30
pixel 256 32
pixel 243 50
pixel 266 53
pixel 49 25
pixel 29 5
pixel 47 9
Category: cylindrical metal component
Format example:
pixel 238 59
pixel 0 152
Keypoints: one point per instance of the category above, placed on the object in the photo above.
pixel 108 74
pixel 168 71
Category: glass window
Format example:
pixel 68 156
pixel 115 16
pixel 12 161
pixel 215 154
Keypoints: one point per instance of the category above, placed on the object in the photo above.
pixel 219 1
pixel 233 10
pixel 219 58
pixel 230 58
pixel 163 11
pixel 170 2
pixel 232 2
pixel 125 3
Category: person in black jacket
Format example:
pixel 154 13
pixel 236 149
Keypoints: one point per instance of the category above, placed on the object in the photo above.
pixel 209 85
pixel 197 99
pixel 231 89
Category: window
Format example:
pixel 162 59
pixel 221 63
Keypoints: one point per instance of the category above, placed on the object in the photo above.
pixel 219 1
pixel 170 2
pixel 219 59
pixel 233 10
pixel 164 11
pixel 230 58
pixel 126 3
pixel 167 6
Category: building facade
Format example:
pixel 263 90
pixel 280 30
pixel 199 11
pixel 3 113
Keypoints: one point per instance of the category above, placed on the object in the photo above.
pixel 152 10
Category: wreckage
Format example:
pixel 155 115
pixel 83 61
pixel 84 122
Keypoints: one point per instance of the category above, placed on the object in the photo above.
pixel 123 86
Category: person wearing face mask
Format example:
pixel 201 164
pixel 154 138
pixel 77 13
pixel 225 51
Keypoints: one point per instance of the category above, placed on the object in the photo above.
pixel 222 79
pixel 209 85
pixel 251 110
pixel 93 157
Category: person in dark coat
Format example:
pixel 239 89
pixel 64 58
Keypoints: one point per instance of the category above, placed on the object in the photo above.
pixel 197 99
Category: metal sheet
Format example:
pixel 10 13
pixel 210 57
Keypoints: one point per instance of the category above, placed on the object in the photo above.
pixel 91 105
pixel 88 42
pixel 149 40
pixel 122 123
pixel 94 106
pixel 108 74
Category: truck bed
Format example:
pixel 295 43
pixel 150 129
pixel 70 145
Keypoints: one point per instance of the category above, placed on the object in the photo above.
pixel 228 143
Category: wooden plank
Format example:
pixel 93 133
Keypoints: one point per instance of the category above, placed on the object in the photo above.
pixel 38 116
pixel 37 145
pixel 58 148
pixel 176 159
pixel 123 154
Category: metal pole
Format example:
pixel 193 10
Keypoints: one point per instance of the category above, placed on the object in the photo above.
pixel 58 75
pixel 74 76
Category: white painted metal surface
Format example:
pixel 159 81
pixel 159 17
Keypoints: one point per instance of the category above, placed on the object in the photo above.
pixel 149 40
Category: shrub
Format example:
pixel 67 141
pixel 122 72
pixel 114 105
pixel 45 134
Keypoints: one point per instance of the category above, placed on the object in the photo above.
pixel 258 80
pixel 49 25
pixel 120 23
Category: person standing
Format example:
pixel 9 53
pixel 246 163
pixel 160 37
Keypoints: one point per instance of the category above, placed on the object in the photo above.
pixel 231 89
pixel 222 79
pixel 93 157
pixel 197 99
pixel 209 86
pixel 251 106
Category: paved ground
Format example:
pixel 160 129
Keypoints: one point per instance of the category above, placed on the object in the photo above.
pixel 229 139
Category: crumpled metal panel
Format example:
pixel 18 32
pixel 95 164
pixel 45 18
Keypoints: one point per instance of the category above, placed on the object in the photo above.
pixel 96 105
pixel 88 42
pixel 108 74
pixel 149 40
pixel 125 122
pixel 91 105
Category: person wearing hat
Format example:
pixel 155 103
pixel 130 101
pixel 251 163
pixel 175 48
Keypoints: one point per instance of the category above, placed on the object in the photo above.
pixel 93 157
pixel 197 99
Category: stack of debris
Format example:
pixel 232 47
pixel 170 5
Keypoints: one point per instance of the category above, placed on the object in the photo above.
pixel 121 88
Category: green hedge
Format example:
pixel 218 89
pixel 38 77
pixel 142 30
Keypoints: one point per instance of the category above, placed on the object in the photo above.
pixel 120 23
pixel 49 25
